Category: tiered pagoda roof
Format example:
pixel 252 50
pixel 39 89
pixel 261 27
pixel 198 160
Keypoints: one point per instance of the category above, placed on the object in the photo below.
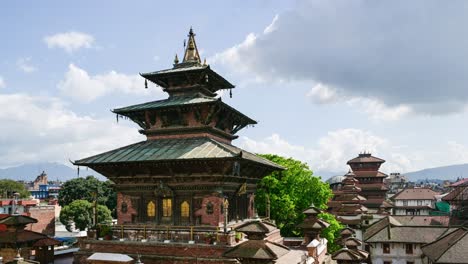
pixel 192 124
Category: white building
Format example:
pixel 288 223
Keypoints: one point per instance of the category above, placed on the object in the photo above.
pixel 389 241
pixel 414 201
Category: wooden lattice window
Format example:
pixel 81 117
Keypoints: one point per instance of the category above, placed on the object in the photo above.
pixel 386 248
pixel 151 209
pixel 167 207
pixel 184 209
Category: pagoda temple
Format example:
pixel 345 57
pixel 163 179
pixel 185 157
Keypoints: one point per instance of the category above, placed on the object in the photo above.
pixel 370 180
pixel 186 172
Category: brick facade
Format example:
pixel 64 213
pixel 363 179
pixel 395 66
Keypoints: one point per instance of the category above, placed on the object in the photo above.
pixel 160 253
pixel 45 215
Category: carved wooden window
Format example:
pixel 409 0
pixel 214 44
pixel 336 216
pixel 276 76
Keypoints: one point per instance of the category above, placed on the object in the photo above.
pixel 409 249
pixel 209 208
pixel 124 207
pixel 386 248
pixel 167 207
pixel 151 209
pixel 184 209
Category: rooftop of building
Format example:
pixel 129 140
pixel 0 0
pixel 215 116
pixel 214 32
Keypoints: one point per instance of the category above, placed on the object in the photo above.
pixel 450 248
pixel 366 158
pixel 415 194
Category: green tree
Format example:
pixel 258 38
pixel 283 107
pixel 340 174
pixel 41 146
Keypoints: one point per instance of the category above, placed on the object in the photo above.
pixel 80 213
pixel 85 189
pixel 290 192
pixel 8 187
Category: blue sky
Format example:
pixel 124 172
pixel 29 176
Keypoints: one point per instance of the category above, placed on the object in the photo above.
pixel 325 79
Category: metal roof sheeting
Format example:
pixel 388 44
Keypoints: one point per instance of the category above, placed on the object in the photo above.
pixel 174 149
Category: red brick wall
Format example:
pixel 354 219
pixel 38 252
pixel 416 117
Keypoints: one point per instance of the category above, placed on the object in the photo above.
pixel 45 215
pixel 216 217
pixel 172 253
pixel 121 216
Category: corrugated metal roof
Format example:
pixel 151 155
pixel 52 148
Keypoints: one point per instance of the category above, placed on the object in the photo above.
pixel 173 101
pixel 174 149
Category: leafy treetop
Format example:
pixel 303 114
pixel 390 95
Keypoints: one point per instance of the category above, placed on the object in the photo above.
pixel 8 187
pixel 292 191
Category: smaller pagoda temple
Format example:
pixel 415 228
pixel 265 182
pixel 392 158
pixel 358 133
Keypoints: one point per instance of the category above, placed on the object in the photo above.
pixel 365 168
pixel 351 252
pixel 258 249
pixel 17 243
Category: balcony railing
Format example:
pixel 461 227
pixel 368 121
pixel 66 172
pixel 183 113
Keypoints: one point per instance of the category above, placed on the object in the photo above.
pixel 165 234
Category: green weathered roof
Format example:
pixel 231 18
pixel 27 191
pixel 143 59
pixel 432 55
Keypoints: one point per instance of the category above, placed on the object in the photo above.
pixel 158 76
pixel 172 101
pixel 179 101
pixel 174 150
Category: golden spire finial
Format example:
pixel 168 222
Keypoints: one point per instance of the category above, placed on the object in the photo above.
pixel 191 51
pixel 204 61
pixel 176 59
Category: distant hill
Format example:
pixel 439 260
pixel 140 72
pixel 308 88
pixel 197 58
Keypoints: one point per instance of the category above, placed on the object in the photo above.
pixel 451 172
pixel 29 172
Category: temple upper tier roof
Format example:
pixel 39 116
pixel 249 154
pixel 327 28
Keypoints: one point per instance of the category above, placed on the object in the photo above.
pixel 191 75
pixel 202 148
pixel 365 158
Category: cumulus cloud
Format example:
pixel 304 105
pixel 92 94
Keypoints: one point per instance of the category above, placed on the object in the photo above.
pixel 2 82
pixel 375 108
pixel 410 53
pixel 79 85
pixel 25 65
pixel 331 152
pixel 43 129
pixel 69 41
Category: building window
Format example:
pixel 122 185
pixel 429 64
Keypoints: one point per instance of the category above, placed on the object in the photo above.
pixel 209 208
pixel 167 207
pixel 151 209
pixel 386 248
pixel 419 202
pixel 409 248
pixel 184 209
pixel 405 203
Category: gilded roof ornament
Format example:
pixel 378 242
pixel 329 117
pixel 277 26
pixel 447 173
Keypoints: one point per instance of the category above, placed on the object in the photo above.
pixel 191 51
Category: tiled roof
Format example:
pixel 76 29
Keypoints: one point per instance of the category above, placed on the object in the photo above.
pixel 257 249
pixel 415 194
pixel 422 220
pixel 15 220
pixel 361 174
pixel 408 234
pixel 363 158
pixel 462 182
pixel 450 248
pixel 256 227
pixel 172 150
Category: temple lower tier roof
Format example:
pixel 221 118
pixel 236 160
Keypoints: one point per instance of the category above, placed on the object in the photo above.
pixel 182 149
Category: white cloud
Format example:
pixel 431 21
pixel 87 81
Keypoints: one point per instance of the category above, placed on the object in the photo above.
pixel 272 27
pixel 25 65
pixel 322 94
pixel 2 82
pixel 414 62
pixel 375 108
pixel 69 41
pixel 43 129
pixel 332 151
pixel 79 85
